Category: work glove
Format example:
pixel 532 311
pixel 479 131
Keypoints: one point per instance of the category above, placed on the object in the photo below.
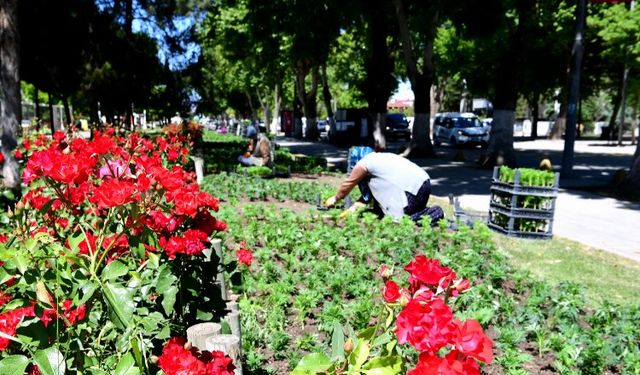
pixel 351 210
pixel 330 202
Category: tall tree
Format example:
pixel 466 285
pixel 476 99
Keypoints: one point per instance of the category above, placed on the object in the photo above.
pixel 380 79
pixel 10 111
pixel 418 56
pixel 500 150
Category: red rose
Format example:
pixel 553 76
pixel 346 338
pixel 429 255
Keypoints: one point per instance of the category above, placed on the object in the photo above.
pixel 391 291
pixel 112 193
pixel 176 360
pixel 9 320
pixel 472 341
pixel 220 226
pixel 186 204
pixel 428 271
pixel 245 256
pixel 427 325
pixel 453 364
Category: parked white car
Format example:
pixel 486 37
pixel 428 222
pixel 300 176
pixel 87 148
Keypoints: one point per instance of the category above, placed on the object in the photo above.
pixel 459 129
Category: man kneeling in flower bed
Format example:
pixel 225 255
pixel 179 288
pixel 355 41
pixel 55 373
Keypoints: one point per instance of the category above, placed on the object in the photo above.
pixel 394 185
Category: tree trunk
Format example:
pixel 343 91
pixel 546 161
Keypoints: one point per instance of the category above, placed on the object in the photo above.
pixel 421 82
pixel 500 150
pixel 308 98
pixel 379 81
pixel 67 112
pixel 277 101
pixel 614 113
pixel 51 114
pixel 634 124
pixel 128 17
pixel 254 111
pixel 535 114
pixel 632 183
pixel 37 109
pixel 10 108
pixel 379 123
pixel 264 105
pixel 326 95
pixel 559 124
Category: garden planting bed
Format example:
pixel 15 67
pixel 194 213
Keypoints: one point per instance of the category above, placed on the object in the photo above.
pixel 317 294
pixel 314 276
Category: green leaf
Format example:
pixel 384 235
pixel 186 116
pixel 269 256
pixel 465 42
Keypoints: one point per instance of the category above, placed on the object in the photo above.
pixel 389 365
pixel 114 270
pixel 359 355
pixel 137 354
pixel 47 206
pixel 153 260
pixel 50 361
pixel 121 305
pixel 169 299
pixel 33 333
pixel 21 261
pixel 127 366
pixel 225 328
pixel 88 288
pixel 165 279
pixel 8 193
pixel 367 334
pixel 74 241
pixel 312 364
pixel 337 342
pixel 13 365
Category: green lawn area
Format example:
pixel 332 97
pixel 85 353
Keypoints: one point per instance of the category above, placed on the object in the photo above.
pixel 605 276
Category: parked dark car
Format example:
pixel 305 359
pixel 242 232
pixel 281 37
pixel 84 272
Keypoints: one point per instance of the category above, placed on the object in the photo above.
pixel 397 126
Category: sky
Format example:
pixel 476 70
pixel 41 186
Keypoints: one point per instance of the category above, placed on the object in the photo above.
pixel 404 91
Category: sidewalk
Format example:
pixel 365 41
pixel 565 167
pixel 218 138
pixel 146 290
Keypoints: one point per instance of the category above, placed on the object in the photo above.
pixel 583 216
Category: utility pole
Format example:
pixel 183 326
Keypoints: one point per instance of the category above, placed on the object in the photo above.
pixel 574 92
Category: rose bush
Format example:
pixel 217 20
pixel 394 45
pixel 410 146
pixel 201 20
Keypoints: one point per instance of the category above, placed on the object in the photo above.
pixel 418 315
pixel 105 254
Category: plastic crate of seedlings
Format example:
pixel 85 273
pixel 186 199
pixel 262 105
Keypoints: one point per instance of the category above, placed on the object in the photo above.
pixel 523 202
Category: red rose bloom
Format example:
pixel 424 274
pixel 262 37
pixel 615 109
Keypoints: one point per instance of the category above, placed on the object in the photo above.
pixel 245 256
pixel 472 341
pixel 427 325
pixel 428 271
pixel 453 364
pixel 391 291
pixel 176 360
pixel 113 193
pixel 8 322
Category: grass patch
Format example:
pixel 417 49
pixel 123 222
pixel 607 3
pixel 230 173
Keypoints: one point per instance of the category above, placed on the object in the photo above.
pixel 605 276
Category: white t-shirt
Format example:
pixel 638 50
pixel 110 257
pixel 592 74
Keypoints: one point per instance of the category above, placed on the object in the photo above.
pixel 392 176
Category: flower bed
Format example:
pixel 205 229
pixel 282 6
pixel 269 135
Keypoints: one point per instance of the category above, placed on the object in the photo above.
pixel 315 281
pixel 104 261
pixel 220 153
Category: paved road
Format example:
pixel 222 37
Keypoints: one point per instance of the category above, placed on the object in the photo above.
pixel 581 215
